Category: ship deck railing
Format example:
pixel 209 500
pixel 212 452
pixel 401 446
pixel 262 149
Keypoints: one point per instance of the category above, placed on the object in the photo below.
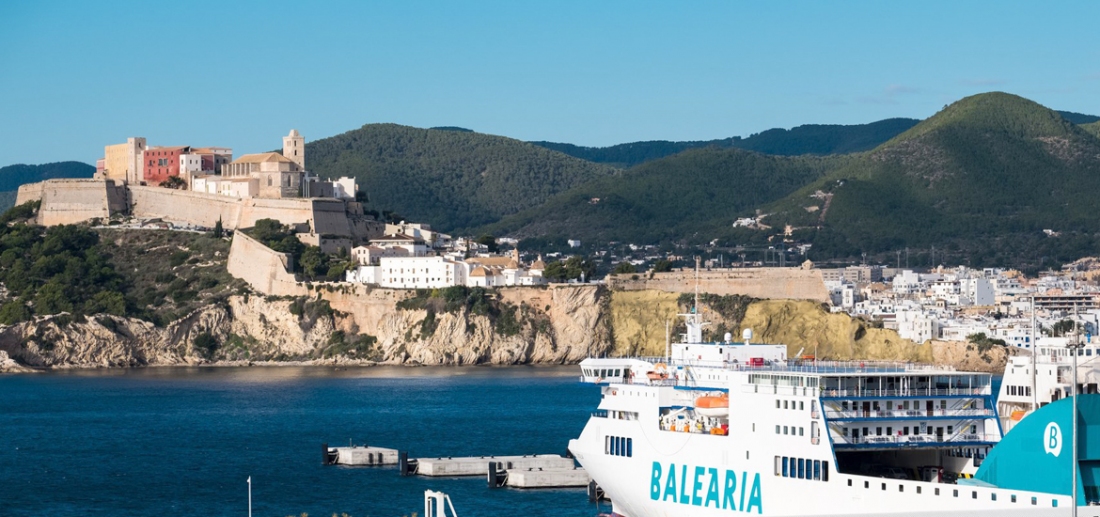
pixel 914 439
pixel 905 413
pixel 904 392
pixel 799 365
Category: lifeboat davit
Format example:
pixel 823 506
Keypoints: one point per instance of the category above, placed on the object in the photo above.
pixel 713 406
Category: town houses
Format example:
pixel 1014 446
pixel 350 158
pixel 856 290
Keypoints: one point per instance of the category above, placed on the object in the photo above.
pixel 955 304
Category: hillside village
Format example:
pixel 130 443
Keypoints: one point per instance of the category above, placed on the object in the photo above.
pixel 200 188
pixel 964 304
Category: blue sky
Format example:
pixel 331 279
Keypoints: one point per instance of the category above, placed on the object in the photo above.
pixel 77 75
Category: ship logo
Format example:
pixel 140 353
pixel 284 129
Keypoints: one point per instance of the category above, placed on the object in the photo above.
pixel 1052 439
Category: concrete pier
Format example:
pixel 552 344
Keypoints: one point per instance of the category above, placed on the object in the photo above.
pixel 360 456
pixel 479 465
pixel 546 478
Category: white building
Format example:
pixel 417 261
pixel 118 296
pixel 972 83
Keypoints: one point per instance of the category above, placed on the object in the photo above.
pixel 916 325
pixel 414 273
pixel 372 255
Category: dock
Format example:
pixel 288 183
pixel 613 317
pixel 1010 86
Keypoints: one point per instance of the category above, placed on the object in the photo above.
pixel 359 455
pixel 479 465
pixel 538 477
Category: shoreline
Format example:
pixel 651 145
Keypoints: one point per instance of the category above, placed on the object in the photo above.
pixel 16 368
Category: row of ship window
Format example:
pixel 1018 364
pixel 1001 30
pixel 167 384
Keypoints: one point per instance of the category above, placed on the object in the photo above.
pixel 904 431
pixel 955 493
pixel 1020 391
pixel 618 446
pixel 790 430
pixel 602 373
pixel 800 468
pixel 800 406
pixel 916 404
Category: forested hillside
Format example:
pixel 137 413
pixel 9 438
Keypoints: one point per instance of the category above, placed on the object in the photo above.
pixel 692 196
pixel 12 176
pixel 451 179
pixel 808 139
pixel 1093 128
pixel 981 180
pixel 1079 118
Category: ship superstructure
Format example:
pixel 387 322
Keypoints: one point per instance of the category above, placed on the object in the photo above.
pixel 714 428
pixel 1033 381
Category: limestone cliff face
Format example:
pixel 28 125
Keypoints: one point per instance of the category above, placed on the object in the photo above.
pixel 556 325
pixel 638 319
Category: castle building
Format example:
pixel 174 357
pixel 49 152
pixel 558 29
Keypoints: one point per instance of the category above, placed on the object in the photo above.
pixel 161 163
pixel 123 162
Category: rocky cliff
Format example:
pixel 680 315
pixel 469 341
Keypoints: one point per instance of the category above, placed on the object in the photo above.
pixel 359 325
pixel 556 325
pixel 807 328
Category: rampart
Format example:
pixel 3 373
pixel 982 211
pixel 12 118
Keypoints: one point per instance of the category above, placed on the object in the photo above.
pixel 202 209
pixel 68 201
pixel 764 283
pixel 266 270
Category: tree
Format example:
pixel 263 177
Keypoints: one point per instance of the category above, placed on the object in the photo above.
pixel 314 263
pixel 624 268
pixel 662 266
pixel 489 241
pixel 219 232
pixel 1062 328
pixel 577 267
pixel 174 182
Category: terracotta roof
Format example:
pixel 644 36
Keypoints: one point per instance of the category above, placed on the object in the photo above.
pixel 396 238
pixel 479 271
pixel 493 261
pixel 263 158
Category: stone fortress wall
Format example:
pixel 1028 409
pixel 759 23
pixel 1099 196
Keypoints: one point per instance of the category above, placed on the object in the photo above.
pixel 763 283
pixel 266 270
pixel 69 201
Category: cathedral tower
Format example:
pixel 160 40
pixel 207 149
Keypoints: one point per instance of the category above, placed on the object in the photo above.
pixel 294 147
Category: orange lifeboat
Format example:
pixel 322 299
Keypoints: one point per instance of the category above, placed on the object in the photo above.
pixel 713 406
pixel 1018 415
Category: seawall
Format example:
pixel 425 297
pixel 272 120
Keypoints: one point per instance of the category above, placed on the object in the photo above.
pixel 763 283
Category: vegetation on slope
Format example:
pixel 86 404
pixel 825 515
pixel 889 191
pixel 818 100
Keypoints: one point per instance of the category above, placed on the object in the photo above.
pixel 808 139
pixel 982 179
pixel 154 275
pixel 1093 128
pixel 1079 118
pixel 695 195
pixel 451 179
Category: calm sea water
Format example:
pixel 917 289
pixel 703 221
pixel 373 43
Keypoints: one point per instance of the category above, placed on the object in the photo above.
pixel 159 442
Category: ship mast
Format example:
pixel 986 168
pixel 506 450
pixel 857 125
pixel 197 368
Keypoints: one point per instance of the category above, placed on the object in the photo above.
pixel 1034 352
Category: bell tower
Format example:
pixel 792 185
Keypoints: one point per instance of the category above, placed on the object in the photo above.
pixel 294 147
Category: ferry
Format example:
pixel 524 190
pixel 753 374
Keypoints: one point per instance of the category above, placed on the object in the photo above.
pixel 1045 375
pixel 727 428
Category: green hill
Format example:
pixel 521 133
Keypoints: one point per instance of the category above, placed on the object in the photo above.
pixel 12 176
pixel 1079 118
pixel 807 139
pixel 1093 128
pixel 981 180
pixel 693 196
pixel 450 178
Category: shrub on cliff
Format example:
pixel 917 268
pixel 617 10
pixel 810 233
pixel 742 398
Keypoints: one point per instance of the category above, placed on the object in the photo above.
pixel 60 269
